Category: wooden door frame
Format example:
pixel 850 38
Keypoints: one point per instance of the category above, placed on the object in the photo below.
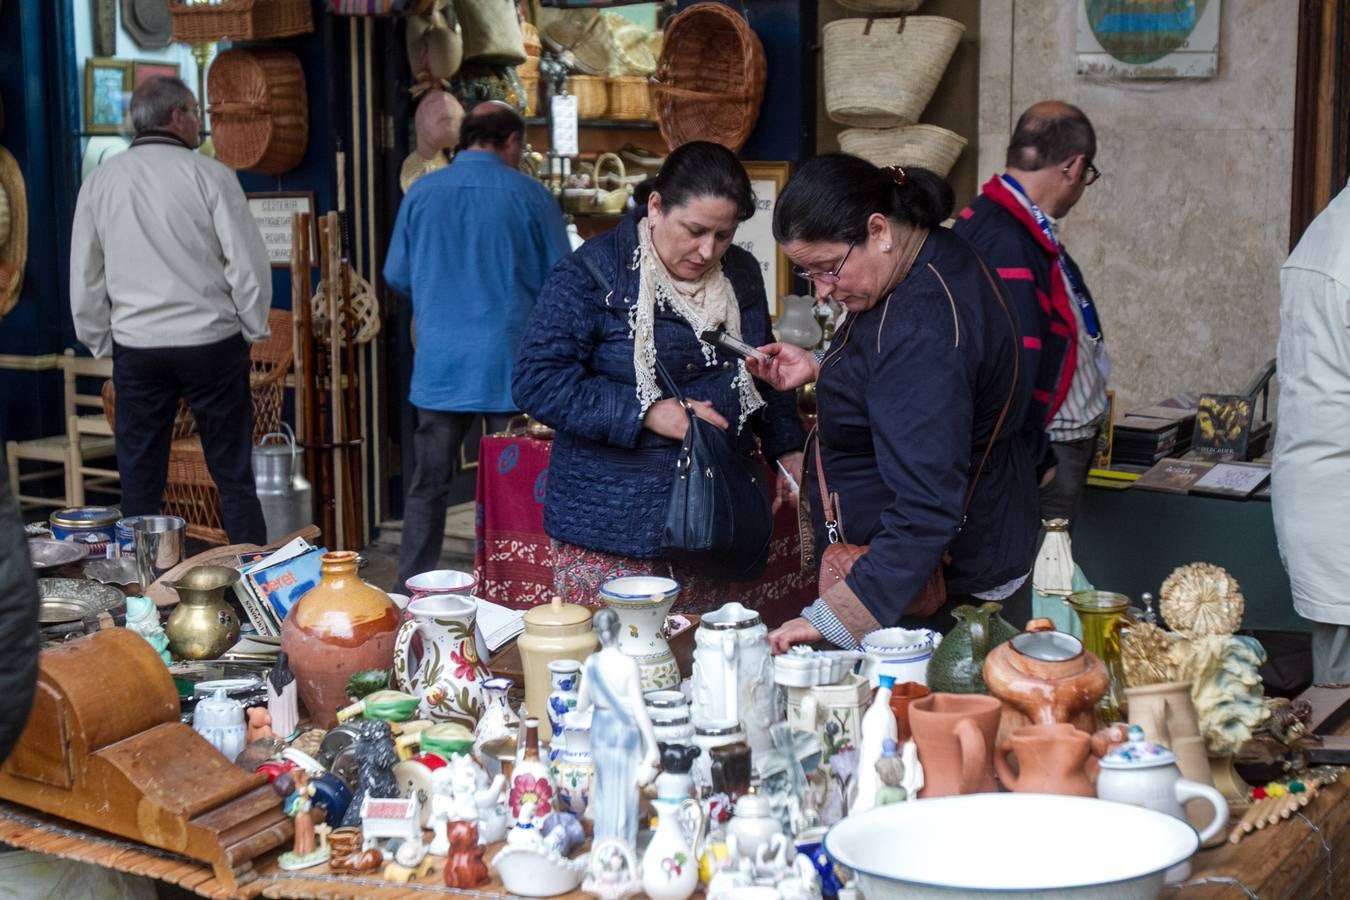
pixel 1321 111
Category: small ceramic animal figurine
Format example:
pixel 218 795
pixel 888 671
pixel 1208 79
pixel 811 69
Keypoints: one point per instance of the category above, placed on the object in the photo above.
pixel 281 697
pixel 375 755
pixel 464 868
pixel 143 618
pixel 613 874
pixel 299 795
pixel 802 882
pixel 259 724
pixel 891 772
pixel 675 782
pixel 361 861
pixel 623 743
pixel 912 780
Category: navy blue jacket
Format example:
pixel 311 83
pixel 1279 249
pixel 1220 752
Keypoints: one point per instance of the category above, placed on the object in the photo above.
pixel 609 479
pixel 908 397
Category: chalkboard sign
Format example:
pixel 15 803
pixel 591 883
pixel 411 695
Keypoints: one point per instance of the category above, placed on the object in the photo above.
pixel 273 212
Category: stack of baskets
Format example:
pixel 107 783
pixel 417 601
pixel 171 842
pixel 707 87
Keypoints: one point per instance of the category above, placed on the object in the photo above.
pixel 611 59
pixel 880 74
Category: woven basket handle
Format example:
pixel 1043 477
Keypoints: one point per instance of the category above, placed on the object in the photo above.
pixel 698 95
pixel 617 164
pixel 899 28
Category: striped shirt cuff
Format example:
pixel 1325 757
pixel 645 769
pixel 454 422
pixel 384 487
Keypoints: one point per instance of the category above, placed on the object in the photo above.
pixel 827 623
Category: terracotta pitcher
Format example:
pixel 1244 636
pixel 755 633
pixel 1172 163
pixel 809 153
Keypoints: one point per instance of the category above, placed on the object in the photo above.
pixel 1044 675
pixel 1167 716
pixel 1053 758
pixel 955 734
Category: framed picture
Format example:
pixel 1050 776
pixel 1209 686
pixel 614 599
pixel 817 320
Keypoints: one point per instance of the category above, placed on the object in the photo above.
pixel 107 90
pixel 150 68
pixel 756 233
pixel 272 211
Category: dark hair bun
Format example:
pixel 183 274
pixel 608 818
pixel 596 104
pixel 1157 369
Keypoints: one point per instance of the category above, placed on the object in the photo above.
pixel 924 199
pixel 832 196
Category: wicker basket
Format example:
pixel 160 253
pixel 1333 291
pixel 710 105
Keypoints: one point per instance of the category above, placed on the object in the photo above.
pixel 710 78
pixel 529 86
pixel 584 37
pixel 630 98
pixel 239 20
pixel 925 146
pixel 882 6
pixel 600 200
pixel 592 95
pixel 259 110
pixel 881 73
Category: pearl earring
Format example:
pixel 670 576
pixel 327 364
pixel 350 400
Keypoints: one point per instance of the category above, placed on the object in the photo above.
pixel 885 248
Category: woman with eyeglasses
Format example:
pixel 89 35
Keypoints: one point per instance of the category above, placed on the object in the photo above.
pixel 645 291
pixel 920 403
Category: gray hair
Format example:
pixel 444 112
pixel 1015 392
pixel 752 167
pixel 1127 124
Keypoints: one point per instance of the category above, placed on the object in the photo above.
pixel 155 100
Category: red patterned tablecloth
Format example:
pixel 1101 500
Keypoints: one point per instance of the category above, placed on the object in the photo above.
pixel 513 561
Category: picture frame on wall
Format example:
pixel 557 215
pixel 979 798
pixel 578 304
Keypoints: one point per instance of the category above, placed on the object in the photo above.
pixel 150 68
pixel 107 91
pixel 767 179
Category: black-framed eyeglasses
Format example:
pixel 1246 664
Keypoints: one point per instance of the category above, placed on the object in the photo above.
pixel 1090 173
pixel 826 277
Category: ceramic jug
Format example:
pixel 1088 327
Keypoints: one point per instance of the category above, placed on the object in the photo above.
pixel 203 625
pixel 834 711
pixel 498 719
pixel 1166 715
pixel 670 863
pixel 1145 774
pixel 1045 675
pixel 733 672
pixel 955 734
pixel 449 673
pixel 902 653
pixel 1104 616
pixel 340 627
pixel 553 631
pixel 957 666
pixel 642 602
pixel 1051 758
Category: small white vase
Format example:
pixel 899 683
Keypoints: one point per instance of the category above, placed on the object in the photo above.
pixel 669 867
pixel 641 603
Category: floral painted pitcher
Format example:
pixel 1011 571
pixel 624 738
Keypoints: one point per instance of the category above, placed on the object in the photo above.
pixel 447 676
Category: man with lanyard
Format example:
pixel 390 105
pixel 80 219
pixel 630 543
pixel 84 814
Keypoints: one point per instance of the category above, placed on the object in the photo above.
pixel 169 275
pixel 1013 224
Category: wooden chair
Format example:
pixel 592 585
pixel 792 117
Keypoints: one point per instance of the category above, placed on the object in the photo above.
pixel 190 491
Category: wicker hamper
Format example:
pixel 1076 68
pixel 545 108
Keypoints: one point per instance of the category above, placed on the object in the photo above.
pixel 592 95
pixel 710 79
pixel 239 20
pixel 925 146
pixel 881 73
pixel 629 98
pixel 259 112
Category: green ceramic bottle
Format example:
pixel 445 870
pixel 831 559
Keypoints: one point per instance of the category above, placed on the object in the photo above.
pixel 957 666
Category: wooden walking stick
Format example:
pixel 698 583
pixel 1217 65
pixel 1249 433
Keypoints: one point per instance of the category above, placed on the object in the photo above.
pixel 322 441
pixel 331 288
pixel 306 376
pixel 353 430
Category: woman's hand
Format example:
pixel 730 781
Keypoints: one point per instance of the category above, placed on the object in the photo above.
pixel 668 418
pixel 794 631
pixel 785 493
pixel 787 367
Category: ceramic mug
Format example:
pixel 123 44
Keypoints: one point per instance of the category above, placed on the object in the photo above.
pixel 902 653
pixel 731 769
pixel 955 734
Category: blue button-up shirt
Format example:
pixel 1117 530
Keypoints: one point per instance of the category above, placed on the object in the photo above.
pixel 472 245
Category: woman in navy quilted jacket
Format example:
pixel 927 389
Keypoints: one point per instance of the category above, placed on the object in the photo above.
pixel 587 369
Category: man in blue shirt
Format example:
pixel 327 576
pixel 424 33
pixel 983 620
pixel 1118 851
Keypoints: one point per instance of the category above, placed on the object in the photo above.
pixel 471 247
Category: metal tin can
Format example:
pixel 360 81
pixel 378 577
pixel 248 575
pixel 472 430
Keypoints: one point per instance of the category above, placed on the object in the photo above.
pixel 126 535
pixel 92 527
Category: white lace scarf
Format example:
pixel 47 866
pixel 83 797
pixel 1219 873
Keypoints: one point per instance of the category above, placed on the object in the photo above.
pixel 705 303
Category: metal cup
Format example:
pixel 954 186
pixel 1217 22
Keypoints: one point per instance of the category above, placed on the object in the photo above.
pixel 159 546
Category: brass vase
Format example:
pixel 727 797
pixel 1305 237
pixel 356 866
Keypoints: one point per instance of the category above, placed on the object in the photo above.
pixel 203 625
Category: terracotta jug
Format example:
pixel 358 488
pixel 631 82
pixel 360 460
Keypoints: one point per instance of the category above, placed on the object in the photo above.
pixel 955 734
pixel 340 627
pixel 1053 758
pixel 1167 716
pixel 1045 675
pixel 957 666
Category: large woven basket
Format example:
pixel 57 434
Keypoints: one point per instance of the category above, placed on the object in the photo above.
pixel 629 98
pixel 882 6
pixel 583 37
pixel 592 95
pixel 925 146
pixel 710 79
pixel 259 110
pixel 239 20
pixel 881 73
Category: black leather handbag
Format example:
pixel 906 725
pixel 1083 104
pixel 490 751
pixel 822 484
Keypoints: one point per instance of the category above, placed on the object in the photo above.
pixel 719 515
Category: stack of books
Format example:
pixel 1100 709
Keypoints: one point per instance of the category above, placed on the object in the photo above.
pixel 272 583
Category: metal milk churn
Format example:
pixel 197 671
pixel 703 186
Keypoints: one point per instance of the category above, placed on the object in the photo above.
pixel 281 486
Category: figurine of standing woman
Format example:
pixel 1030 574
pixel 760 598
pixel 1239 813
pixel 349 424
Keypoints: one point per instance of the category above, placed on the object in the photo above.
pixel 623 743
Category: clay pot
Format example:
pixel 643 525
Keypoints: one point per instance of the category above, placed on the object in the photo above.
pixel 1044 675
pixel 955 734
pixel 340 627
pixel 957 666
pixel 902 695
pixel 1052 758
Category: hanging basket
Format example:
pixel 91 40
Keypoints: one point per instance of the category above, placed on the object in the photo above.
pixel 259 110
pixel 629 99
pixel 925 146
pixel 709 81
pixel 881 73
pixel 239 20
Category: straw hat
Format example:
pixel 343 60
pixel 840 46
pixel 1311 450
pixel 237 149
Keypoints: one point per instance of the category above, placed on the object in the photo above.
pixel 13 230
pixel 148 23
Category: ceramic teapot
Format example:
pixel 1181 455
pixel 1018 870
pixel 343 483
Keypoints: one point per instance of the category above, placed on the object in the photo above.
pixel 957 666
pixel 733 672
pixel 1044 675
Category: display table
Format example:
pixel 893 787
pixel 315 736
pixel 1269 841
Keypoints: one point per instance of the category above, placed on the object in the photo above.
pixel 513 561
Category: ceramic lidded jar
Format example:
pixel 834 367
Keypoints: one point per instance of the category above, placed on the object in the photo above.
pixel 1044 675
pixel 642 602
pixel 553 631
pixel 733 672
pixel 339 627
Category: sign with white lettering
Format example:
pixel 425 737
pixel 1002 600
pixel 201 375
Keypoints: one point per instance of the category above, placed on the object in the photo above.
pixel 273 212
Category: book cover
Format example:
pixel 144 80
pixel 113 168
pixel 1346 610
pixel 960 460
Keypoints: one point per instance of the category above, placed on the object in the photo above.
pixel 282 584
pixel 258 615
pixel 1234 480
pixel 1174 476
pixel 1223 426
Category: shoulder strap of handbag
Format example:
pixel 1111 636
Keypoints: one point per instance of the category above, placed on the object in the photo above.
pixel 604 282
pixel 827 502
